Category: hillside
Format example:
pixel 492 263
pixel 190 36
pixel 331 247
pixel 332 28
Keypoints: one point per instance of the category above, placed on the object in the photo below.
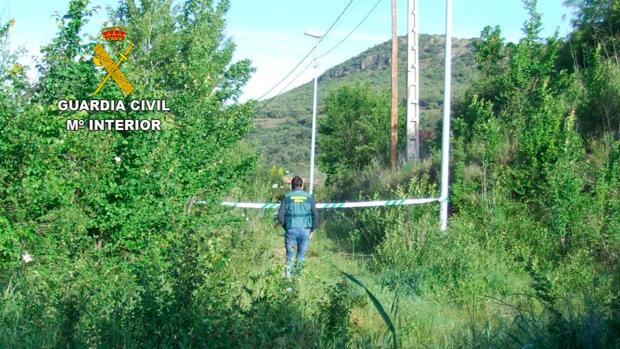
pixel 282 127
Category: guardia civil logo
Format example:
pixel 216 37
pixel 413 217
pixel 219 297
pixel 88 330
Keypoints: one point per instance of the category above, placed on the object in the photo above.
pixel 112 67
pixel 112 63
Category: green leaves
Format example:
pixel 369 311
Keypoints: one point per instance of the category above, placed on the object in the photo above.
pixel 357 119
pixel 490 49
pixel 106 213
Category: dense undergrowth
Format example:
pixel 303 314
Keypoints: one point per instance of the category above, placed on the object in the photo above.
pixel 103 242
pixel 532 248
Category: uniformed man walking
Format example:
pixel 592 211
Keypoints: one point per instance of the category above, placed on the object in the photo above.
pixel 299 218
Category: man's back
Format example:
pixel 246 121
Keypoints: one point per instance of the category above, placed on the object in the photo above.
pixel 299 217
pixel 298 210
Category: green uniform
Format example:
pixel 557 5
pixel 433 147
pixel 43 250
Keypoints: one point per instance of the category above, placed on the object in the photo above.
pixel 298 210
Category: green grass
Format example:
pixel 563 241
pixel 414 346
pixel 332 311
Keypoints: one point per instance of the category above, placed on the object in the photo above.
pixel 422 319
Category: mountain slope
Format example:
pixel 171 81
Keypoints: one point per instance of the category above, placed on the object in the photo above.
pixel 282 132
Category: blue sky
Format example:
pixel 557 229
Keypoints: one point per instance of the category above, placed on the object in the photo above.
pixel 270 32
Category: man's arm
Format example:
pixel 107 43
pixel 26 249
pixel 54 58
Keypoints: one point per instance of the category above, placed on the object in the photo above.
pixel 282 213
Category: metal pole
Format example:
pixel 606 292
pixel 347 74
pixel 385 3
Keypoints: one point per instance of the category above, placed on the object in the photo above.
pixel 312 146
pixel 413 92
pixel 445 133
pixel 394 110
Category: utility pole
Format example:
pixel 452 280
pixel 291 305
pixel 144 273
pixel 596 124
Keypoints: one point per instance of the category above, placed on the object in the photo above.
pixel 394 123
pixel 445 132
pixel 413 91
pixel 314 102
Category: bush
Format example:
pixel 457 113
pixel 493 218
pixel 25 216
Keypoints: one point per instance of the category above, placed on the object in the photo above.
pixel 355 130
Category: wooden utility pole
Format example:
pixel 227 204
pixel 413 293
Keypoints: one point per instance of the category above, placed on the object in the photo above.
pixel 394 124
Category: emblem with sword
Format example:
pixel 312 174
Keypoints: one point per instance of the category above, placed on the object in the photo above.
pixel 113 68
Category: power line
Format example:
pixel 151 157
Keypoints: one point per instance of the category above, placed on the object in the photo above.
pixel 320 56
pixel 266 104
pixel 348 14
pixel 352 31
pixel 309 52
pixel 296 76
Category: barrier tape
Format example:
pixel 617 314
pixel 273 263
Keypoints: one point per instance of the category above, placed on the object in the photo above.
pixel 379 203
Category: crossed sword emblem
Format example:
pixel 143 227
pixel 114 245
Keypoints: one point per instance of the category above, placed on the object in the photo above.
pixel 113 68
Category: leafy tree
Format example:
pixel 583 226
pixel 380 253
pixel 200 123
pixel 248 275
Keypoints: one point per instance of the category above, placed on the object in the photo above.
pixel 93 207
pixel 14 96
pixel 355 130
pixel 592 50
pixel 599 110
pixel 155 174
pixel 597 24
pixel 490 49
pixel 521 121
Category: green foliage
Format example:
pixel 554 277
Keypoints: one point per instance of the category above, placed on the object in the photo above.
pixel 598 113
pixel 65 72
pixel 595 24
pixel 121 255
pixel 532 202
pixel 113 189
pixel 384 315
pixel 365 230
pixel 592 50
pixel 489 50
pixel 335 313
pixel 522 128
pixel 102 243
pixel 355 130
pixel 282 131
